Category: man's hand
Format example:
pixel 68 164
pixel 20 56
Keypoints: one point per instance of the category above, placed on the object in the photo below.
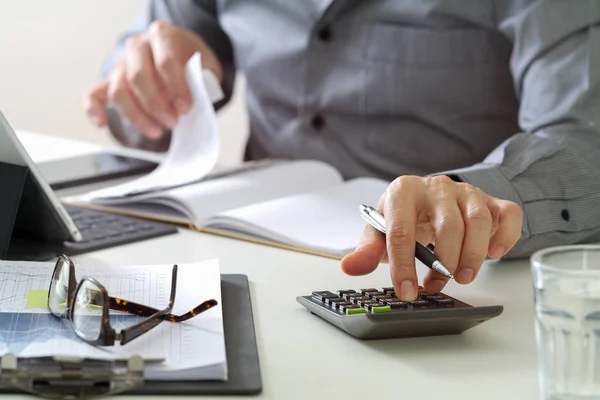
pixel 148 85
pixel 464 223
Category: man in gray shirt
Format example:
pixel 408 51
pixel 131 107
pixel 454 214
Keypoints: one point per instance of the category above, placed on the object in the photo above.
pixel 483 113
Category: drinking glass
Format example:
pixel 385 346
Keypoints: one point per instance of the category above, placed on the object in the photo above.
pixel 567 321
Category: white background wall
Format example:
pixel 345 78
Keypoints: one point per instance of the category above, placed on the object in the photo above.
pixel 50 54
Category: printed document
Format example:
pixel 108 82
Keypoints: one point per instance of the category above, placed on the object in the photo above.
pixel 192 350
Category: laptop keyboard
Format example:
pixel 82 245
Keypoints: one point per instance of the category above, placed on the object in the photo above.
pixel 99 229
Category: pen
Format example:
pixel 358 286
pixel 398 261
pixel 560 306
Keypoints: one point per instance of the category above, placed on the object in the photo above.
pixel 374 217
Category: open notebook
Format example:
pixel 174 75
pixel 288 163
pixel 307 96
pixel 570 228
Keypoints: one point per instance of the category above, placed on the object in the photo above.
pixel 301 205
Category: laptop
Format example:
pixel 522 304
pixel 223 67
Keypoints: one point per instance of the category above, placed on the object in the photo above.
pixel 47 228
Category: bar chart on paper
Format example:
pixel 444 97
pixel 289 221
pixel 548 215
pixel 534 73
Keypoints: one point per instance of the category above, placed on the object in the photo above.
pixel 27 329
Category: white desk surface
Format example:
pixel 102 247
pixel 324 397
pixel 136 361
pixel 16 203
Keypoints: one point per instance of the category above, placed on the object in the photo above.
pixel 304 357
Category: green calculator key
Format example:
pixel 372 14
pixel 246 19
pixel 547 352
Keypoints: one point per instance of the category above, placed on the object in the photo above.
pixel 351 308
pixel 379 309
pixel 357 310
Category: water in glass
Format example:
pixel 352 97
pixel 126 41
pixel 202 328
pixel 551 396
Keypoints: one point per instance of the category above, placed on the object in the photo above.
pixel 568 334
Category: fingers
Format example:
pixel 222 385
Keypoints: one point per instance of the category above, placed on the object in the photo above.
pixel 510 219
pixel 125 102
pixel 170 63
pixel 425 234
pixel 144 83
pixel 478 224
pixel 449 232
pixel 463 222
pixel 94 103
pixel 149 87
pixel 400 213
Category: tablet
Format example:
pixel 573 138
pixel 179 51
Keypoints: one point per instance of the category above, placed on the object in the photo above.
pixel 92 168
pixel 41 215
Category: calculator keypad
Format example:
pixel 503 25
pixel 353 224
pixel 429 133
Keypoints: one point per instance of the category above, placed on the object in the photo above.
pixel 383 300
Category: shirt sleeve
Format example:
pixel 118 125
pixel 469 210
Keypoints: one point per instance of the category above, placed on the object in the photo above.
pixel 199 16
pixel 552 168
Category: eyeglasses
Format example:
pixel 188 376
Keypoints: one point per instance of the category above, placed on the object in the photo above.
pixel 86 305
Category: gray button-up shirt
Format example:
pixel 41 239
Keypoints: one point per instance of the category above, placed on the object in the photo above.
pixel 504 94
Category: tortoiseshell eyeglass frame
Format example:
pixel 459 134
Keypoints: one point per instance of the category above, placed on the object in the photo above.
pixel 108 336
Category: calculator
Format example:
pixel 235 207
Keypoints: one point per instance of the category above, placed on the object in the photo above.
pixel 376 313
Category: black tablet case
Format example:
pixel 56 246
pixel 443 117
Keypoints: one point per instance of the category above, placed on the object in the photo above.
pixel 12 182
pixel 240 341
pixel 28 220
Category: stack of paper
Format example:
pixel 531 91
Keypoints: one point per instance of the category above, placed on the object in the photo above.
pixel 190 350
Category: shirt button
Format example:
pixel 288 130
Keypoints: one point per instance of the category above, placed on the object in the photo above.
pixel 318 122
pixel 324 34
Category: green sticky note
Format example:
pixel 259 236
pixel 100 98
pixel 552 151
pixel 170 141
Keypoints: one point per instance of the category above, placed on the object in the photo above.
pixel 37 299
pixel 381 309
pixel 356 311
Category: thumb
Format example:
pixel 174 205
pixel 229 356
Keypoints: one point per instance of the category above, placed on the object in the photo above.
pixel 369 252
pixel 95 101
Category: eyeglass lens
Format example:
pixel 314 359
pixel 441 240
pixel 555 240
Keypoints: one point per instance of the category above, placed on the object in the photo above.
pixel 87 311
pixel 59 289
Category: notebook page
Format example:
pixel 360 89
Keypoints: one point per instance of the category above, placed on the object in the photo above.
pixel 198 201
pixel 207 199
pixel 327 220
